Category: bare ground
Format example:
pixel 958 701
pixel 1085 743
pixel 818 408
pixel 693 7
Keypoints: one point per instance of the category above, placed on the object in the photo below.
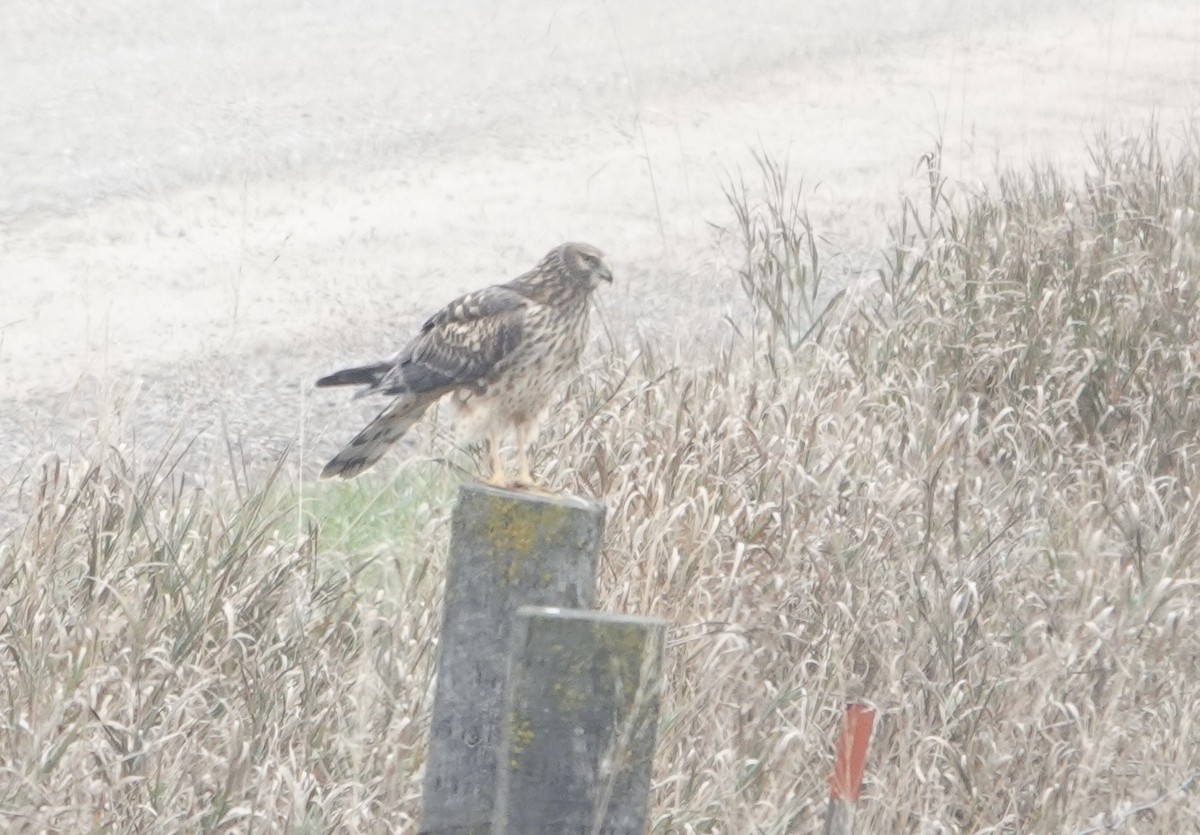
pixel 203 209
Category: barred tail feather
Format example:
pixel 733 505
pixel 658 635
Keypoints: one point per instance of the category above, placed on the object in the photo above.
pixel 377 438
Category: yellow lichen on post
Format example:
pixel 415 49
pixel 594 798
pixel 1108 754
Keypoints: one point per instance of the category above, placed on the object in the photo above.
pixel 521 735
pixel 511 527
pixel 519 527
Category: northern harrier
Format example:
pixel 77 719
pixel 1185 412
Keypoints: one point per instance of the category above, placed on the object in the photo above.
pixel 500 353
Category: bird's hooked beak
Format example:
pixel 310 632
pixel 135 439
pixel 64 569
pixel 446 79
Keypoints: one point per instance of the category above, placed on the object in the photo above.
pixel 605 273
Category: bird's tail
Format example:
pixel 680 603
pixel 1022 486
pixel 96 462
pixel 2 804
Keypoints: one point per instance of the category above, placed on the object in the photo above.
pixel 370 444
pixel 364 375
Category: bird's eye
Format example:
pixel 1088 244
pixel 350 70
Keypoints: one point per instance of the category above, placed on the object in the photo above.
pixel 591 259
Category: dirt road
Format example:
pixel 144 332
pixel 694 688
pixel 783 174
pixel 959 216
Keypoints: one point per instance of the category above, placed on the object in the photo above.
pixel 202 208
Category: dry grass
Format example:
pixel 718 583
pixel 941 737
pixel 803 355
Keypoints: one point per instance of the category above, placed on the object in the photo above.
pixel 968 496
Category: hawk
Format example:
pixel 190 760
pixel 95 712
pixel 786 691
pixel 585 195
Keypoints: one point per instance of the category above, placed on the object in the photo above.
pixel 499 353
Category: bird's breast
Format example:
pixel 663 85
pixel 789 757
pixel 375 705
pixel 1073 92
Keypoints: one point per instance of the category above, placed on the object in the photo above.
pixel 522 384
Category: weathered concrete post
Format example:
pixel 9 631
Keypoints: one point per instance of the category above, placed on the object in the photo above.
pixel 507 549
pixel 581 722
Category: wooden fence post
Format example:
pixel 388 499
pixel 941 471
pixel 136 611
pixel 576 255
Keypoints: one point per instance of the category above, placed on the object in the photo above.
pixel 582 715
pixel 507 549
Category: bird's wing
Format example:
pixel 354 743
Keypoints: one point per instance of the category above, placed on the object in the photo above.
pixel 460 343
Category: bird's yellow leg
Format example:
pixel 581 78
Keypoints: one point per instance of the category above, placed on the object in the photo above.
pixel 524 477
pixel 497 478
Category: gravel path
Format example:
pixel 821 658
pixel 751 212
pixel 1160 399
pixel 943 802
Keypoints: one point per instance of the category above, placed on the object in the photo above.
pixel 202 208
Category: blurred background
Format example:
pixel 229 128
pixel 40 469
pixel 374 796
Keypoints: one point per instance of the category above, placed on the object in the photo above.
pixel 204 206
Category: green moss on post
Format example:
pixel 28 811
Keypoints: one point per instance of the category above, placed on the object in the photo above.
pixel 580 727
pixel 507 549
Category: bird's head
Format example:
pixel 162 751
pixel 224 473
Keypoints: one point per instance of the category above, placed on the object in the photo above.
pixel 583 265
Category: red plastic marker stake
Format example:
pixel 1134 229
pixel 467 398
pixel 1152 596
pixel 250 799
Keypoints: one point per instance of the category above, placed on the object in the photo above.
pixel 849 763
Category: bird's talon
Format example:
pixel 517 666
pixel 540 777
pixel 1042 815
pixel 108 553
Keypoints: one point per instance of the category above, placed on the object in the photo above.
pixel 530 487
